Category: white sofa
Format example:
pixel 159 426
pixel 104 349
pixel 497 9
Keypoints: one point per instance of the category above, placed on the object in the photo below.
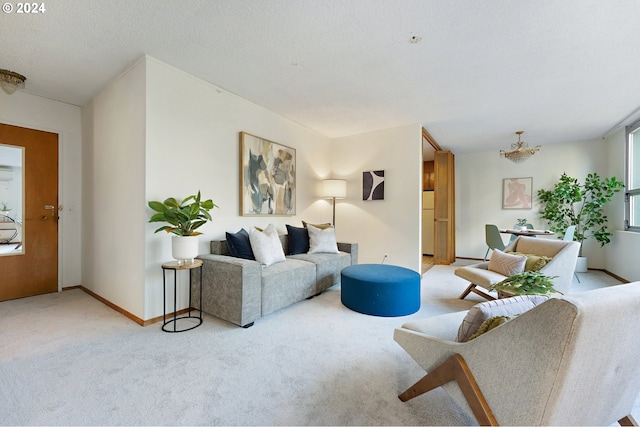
pixel 564 256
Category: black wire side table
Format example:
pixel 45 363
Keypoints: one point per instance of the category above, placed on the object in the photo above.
pixel 175 266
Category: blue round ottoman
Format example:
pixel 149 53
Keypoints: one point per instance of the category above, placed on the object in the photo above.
pixel 380 289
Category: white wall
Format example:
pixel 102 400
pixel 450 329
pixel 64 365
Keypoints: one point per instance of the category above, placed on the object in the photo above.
pixel 113 204
pixel 622 252
pixel 479 178
pixel 23 109
pixel 157 132
pixel 391 226
pixel 192 143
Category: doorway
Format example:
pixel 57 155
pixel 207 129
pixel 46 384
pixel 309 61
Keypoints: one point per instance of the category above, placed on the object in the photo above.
pixel 32 267
pixel 438 213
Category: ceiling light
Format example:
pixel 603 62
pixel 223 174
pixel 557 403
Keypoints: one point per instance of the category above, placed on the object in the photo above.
pixel 520 151
pixel 11 81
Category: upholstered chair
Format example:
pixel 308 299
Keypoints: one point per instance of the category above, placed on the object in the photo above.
pixel 571 360
pixel 563 254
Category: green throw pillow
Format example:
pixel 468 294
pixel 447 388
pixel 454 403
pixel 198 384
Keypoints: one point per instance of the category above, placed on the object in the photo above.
pixel 489 324
pixel 534 262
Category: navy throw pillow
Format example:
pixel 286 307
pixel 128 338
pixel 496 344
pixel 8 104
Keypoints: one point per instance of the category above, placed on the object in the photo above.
pixel 298 240
pixel 239 245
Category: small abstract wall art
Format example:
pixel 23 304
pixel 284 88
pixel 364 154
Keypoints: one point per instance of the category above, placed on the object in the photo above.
pixel 516 193
pixel 267 177
pixel 373 185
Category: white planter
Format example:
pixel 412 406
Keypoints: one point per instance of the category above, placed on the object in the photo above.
pixel 581 264
pixel 184 248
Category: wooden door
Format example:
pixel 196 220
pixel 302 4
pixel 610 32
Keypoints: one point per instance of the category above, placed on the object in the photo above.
pixel 35 269
pixel 444 251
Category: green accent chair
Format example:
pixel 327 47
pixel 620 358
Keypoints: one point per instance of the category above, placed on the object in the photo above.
pixel 493 239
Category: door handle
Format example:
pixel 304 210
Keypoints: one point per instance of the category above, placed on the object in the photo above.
pixel 52 208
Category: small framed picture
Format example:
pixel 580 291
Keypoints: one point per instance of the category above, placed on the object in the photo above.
pixel 373 185
pixel 517 193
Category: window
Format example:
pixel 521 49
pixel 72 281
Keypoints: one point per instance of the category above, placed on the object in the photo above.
pixel 632 198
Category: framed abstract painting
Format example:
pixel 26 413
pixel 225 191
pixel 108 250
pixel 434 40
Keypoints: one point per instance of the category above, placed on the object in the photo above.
pixel 373 185
pixel 517 193
pixel 267 177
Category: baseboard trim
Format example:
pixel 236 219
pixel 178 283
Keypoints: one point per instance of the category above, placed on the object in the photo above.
pixel 121 310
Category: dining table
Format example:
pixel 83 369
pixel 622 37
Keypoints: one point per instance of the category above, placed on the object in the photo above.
pixel 526 232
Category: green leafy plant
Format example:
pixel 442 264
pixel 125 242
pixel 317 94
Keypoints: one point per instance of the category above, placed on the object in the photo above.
pixel 4 206
pixel 522 222
pixel 582 205
pixel 530 282
pixel 184 217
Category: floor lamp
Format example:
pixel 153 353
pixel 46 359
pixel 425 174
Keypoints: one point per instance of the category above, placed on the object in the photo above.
pixel 334 189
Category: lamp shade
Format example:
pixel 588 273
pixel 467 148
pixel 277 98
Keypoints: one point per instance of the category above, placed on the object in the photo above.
pixel 334 188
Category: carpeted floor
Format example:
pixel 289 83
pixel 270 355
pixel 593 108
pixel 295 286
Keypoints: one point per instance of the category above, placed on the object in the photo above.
pixel 66 359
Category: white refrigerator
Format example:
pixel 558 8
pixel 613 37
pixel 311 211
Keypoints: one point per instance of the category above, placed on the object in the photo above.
pixel 427 223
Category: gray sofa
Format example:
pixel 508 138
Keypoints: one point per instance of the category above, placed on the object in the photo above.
pixel 241 291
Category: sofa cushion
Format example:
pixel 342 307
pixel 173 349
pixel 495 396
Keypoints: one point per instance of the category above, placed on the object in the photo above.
pixel 266 245
pixel 298 240
pixel 285 283
pixel 500 307
pixel 239 245
pixel 322 240
pixel 506 264
pixel 328 267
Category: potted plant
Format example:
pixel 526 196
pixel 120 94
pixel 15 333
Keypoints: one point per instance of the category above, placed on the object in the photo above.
pixel 572 203
pixel 184 219
pixel 522 223
pixel 529 282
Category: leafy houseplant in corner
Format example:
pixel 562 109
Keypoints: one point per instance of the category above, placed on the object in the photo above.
pixel 530 282
pixel 184 219
pixel 572 203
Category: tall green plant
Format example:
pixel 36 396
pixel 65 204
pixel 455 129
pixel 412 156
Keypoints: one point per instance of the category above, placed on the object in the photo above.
pixel 183 218
pixel 582 205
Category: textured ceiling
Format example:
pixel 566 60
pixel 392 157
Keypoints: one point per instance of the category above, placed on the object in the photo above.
pixel 472 72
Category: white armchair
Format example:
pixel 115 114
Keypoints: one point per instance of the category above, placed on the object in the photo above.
pixel 564 255
pixel 568 361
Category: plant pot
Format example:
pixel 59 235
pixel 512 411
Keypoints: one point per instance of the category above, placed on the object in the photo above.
pixel 581 264
pixel 184 248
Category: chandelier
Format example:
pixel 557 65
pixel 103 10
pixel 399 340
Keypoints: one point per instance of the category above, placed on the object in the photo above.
pixel 520 150
pixel 10 81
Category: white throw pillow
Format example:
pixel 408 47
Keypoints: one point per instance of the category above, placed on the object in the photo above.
pixel 266 245
pixel 500 307
pixel 506 264
pixel 322 240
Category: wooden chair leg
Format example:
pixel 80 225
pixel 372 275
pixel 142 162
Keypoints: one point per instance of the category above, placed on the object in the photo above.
pixel 628 421
pixel 455 368
pixel 473 288
pixel 467 291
